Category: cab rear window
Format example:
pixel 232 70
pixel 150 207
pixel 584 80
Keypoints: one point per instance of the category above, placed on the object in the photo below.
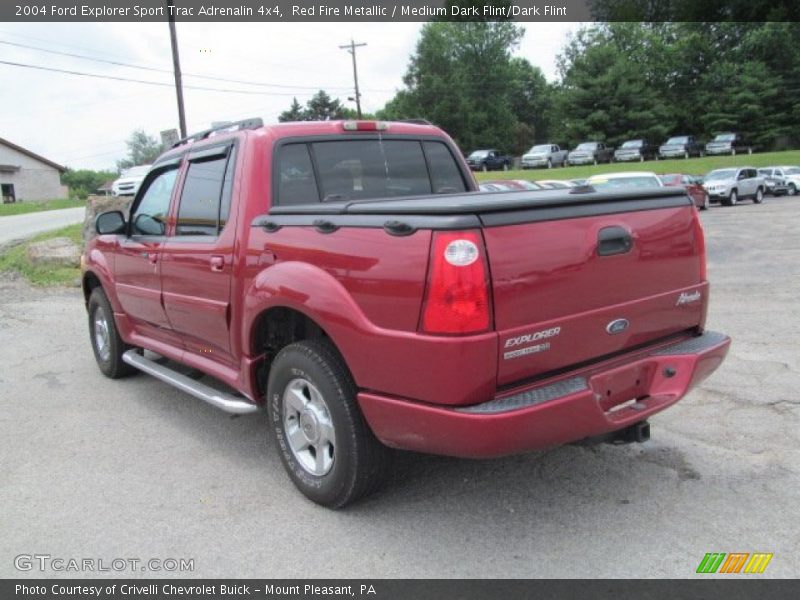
pixel 335 170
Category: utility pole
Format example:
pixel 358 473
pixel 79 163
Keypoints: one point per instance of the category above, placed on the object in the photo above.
pixel 351 48
pixel 176 64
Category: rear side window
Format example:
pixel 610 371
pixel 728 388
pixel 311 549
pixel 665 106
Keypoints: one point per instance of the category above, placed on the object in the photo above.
pixel 445 174
pixel 200 211
pixel 364 169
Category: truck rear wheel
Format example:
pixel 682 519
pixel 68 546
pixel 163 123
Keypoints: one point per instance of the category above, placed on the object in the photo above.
pixel 107 345
pixel 326 446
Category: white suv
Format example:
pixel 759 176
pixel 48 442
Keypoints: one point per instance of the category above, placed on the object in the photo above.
pixel 731 185
pixel 129 181
pixel 790 176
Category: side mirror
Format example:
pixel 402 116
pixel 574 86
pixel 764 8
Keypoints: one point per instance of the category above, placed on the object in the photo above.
pixel 110 222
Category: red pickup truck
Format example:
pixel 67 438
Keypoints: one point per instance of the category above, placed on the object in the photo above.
pixel 349 277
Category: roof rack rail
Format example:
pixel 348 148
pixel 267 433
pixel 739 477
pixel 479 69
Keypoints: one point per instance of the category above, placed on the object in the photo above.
pixel 416 121
pixel 254 123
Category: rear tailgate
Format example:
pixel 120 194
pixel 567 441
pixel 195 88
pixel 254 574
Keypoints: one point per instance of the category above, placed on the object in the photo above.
pixel 588 279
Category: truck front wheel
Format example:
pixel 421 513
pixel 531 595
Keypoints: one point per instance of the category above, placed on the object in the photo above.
pixel 326 446
pixel 107 345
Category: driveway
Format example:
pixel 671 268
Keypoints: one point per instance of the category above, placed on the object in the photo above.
pixel 16 227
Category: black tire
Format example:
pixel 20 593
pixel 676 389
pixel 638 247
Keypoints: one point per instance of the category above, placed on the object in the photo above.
pixel 358 460
pixel 595 161
pixel 732 199
pixel 706 202
pixel 792 190
pixel 107 346
pixel 686 155
pixel 549 164
pixel 505 166
pixel 759 197
pixel 484 168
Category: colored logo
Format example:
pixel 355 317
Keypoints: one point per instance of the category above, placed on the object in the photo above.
pixel 735 562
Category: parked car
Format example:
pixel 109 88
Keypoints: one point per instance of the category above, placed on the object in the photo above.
pixel 499 185
pixel 129 181
pixel 489 160
pixel 555 184
pixel 774 181
pixel 629 180
pixel 693 186
pixel 728 143
pixel 635 150
pixel 309 267
pixel 680 146
pixel 544 155
pixel 728 186
pixel 791 175
pixel 589 153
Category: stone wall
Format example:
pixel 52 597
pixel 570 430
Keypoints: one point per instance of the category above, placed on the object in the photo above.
pixel 96 205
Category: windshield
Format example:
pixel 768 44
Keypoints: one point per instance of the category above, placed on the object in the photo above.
pixel 725 137
pixel 136 171
pixel 539 149
pixel 792 171
pixel 633 144
pixel 634 181
pixel 479 154
pixel 721 174
pixel 677 140
pixel 587 146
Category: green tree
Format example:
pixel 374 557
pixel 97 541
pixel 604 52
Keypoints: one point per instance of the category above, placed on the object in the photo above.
pixel 460 77
pixel 142 149
pixel 321 107
pixel 606 94
pixel 295 113
pixel 83 182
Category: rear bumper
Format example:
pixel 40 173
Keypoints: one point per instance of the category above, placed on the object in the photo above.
pixel 590 403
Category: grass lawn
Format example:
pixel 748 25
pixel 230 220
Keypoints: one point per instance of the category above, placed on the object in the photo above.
pixel 692 166
pixel 16 259
pixel 21 208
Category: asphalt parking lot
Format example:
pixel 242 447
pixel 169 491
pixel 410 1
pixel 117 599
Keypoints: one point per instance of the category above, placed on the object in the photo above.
pixel 134 469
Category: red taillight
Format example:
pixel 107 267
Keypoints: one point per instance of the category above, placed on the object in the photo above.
pixel 365 126
pixel 457 295
pixel 700 238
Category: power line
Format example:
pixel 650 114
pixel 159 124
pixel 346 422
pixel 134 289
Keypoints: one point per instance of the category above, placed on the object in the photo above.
pixel 142 81
pixel 158 70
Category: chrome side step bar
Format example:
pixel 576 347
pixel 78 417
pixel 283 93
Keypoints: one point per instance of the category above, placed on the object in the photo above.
pixel 227 402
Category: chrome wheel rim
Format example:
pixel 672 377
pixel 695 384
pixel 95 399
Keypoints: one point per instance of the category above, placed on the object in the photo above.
pixel 308 426
pixel 102 338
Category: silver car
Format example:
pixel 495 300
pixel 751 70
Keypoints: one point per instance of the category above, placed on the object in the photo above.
pixel 728 186
pixel 544 155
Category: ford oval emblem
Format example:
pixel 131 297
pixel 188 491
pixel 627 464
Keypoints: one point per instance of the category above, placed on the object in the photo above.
pixel 617 326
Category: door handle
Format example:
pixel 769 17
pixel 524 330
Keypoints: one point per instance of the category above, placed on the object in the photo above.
pixel 152 257
pixel 217 263
pixel 613 240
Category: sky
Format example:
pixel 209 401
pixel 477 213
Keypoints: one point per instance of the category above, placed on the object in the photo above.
pixel 83 122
